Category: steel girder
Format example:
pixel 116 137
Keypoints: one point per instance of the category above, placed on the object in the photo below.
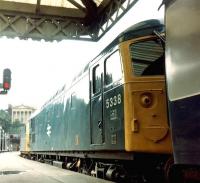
pixel 53 27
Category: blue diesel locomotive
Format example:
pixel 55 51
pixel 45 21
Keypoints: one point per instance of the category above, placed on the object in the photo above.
pixel 112 121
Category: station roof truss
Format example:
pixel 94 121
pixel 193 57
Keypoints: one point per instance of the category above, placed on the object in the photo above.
pixel 60 19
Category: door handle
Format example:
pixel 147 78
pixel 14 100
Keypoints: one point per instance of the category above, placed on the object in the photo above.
pixel 100 124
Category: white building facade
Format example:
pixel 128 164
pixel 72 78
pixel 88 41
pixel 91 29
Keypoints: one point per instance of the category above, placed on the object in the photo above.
pixel 21 113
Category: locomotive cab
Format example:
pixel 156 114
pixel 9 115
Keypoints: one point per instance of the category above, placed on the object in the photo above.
pixel 145 108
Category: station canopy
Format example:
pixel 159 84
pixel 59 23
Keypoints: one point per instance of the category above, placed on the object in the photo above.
pixel 60 19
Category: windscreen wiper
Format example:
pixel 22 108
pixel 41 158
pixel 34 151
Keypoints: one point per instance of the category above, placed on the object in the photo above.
pixel 159 35
pixel 165 2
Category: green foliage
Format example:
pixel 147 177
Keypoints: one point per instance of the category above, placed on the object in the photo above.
pixel 5 120
pixel 15 127
pixel 7 125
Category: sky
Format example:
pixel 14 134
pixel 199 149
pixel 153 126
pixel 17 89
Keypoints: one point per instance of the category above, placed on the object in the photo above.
pixel 40 68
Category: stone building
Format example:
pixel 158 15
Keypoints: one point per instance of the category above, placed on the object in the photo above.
pixel 21 113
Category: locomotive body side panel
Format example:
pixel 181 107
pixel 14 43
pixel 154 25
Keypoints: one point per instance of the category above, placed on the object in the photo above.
pixel 64 124
pixel 77 116
pixel 114 118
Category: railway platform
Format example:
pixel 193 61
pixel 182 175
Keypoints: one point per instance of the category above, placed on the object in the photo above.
pixel 15 169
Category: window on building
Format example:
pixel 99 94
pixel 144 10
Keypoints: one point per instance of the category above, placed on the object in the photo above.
pixel 16 119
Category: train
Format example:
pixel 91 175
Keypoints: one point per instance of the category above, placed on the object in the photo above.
pixel 182 77
pixel 112 122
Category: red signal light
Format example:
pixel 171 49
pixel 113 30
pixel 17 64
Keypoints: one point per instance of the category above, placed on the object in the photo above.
pixel 6 86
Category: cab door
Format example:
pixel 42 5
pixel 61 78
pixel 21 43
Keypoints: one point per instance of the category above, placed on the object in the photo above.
pixel 97 126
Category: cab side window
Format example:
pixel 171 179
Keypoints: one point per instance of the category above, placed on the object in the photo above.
pixel 112 68
pixel 96 77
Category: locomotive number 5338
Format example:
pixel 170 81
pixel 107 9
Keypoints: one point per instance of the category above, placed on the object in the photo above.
pixel 113 101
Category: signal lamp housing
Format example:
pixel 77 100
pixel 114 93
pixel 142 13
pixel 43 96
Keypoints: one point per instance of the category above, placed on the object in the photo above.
pixel 6 79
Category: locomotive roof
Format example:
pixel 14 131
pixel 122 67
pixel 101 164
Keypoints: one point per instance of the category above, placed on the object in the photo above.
pixel 143 28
